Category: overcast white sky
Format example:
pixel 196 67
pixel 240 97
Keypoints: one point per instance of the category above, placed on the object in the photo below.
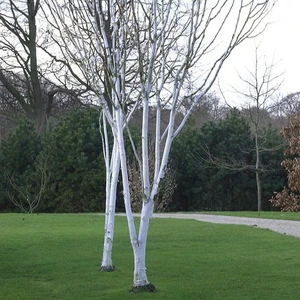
pixel 281 40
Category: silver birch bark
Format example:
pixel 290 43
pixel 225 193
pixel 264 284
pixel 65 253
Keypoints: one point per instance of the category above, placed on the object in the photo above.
pixel 157 54
pixel 76 31
pixel 112 164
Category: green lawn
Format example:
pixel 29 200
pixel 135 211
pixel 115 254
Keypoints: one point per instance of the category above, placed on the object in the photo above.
pixel 294 216
pixel 57 257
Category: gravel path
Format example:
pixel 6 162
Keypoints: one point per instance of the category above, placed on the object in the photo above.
pixel 282 226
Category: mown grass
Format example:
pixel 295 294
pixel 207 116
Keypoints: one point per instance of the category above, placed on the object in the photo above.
pixel 294 216
pixel 57 257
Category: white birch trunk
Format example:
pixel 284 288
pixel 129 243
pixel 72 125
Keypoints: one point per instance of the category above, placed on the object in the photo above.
pixel 107 264
pixel 126 191
pixel 140 275
pixel 138 243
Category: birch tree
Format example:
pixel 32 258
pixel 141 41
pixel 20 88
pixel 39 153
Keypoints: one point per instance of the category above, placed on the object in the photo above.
pixel 159 54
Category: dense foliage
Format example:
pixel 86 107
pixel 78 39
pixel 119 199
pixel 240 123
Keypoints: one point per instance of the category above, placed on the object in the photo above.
pixel 216 164
pixel 213 165
pixel 17 163
pixel 77 174
pixel 73 151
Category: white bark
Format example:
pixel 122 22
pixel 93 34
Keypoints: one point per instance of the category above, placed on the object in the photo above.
pixel 112 175
pixel 126 193
pixel 140 276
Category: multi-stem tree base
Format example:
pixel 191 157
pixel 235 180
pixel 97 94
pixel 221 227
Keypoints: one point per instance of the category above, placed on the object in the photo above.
pixel 109 268
pixel 144 288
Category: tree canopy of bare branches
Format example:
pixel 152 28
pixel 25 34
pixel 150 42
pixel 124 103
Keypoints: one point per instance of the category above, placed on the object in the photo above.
pixel 159 54
pixel 26 74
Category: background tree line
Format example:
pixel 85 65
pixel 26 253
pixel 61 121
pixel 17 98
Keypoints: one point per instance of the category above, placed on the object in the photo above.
pixel 53 157
pixel 213 162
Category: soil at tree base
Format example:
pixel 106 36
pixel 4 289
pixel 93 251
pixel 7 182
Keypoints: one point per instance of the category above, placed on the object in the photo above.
pixel 107 269
pixel 145 288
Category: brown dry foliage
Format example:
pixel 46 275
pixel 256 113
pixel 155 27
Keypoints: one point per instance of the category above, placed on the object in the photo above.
pixel 289 198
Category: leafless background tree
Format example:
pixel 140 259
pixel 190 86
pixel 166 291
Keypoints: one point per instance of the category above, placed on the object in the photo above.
pixel 27 195
pixel 25 70
pixel 260 88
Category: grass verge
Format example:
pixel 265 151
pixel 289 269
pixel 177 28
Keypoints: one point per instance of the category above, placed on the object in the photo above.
pixel 57 257
pixel 293 216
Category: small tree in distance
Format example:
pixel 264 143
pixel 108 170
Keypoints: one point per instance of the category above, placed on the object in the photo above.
pixel 24 170
pixel 28 195
pixel 261 85
pixel 289 198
